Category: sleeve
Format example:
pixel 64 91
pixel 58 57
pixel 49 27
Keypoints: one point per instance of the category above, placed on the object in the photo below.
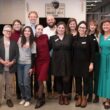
pixel 33 56
pixel 15 59
pixel 33 48
pixel 92 49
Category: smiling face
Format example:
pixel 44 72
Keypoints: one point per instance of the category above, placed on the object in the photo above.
pixel 50 21
pixel 27 32
pixel 60 29
pixel 39 30
pixel 92 27
pixel 82 29
pixel 33 18
pixel 106 26
pixel 17 26
pixel 7 30
pixel 72 25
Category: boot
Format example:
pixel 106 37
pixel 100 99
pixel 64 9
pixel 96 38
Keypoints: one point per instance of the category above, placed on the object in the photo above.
pixel 89 98
pixel 84 102
pixel 96 99
pixel 66 100
pixel 78 101
pixel 40 101
pixel 61 100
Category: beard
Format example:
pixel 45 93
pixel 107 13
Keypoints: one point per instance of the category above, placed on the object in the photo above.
pixel 51 26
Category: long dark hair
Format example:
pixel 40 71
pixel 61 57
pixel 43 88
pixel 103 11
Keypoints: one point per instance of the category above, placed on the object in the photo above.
pixel 82 22
pixel 23 38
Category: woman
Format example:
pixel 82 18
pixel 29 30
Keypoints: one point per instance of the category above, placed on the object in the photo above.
pixel 104 70
pixel 83 54
pixel 93 76
pixel 27 50
pixel 16 32
pixel 62 61
pixel 42 63
pixel 72 30
pixel 8 61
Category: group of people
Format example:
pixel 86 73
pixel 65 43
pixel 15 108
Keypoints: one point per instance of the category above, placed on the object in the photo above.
pixel 60 54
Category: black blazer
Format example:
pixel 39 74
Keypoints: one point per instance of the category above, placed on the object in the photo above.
pixel 13 55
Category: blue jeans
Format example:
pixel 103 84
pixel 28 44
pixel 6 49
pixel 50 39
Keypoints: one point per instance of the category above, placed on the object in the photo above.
pixel 24 80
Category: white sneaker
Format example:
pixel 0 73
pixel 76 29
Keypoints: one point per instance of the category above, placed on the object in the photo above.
pixel 27 103
pixel 22 102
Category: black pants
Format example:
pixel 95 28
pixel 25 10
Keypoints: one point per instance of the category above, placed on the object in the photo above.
pixel 49 82
pixel 34 85
pixel 63 84
pixel 80 88
pixel 90 83
pixel 71 84
pixel 18 93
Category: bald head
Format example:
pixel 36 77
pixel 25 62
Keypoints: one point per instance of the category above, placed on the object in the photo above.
pixel 51 21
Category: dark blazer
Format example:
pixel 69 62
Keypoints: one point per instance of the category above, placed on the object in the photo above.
pixel 13 55
pixel 62 55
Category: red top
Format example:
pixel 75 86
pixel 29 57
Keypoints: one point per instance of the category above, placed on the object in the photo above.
pixel 15 35
pixel 42 48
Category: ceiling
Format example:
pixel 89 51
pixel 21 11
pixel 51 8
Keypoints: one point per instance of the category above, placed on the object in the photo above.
pixel 92 4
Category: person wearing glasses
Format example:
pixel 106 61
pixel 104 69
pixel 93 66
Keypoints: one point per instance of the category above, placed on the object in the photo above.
pixel 8 59
pixel 83 56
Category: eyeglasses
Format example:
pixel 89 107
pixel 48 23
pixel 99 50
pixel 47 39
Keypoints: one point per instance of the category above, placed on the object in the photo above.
pixel 8 31
pixel 82 27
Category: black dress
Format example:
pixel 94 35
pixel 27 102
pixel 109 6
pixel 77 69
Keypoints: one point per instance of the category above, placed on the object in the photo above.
pixel 62 55
pixel 83 55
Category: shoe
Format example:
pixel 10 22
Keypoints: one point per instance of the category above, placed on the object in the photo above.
pixel 106 105
pixel 9 103
pixel 18 97
pixel 49 96
pixel 26 104
pixel 66 100
pixel 39 103
pixel 76 97
pixel 78 101
pixel 96 99
pixel 84 102
pixel 89 98
pixel 22 102
pixel 61 100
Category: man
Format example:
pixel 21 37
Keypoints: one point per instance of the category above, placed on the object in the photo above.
pixel 8 58
pixel 33 16
pixel 50 30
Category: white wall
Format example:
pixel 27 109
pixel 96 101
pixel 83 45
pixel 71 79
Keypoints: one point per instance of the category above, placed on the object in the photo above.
pixel 12 9
pixel 73 8
pixel 18 9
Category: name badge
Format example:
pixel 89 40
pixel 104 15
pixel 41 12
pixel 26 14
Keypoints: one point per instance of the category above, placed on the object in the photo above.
pixel 83 42
pixel 56 40
pixel 94 39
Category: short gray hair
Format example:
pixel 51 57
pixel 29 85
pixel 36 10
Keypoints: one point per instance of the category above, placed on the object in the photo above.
pixel 7 26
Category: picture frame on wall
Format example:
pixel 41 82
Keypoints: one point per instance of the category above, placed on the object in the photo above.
pixel 56 12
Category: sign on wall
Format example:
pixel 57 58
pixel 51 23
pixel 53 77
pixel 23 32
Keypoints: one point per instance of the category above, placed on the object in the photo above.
pixel 50 10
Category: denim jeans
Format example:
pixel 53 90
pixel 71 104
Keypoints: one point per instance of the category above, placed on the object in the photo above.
pixel 24 80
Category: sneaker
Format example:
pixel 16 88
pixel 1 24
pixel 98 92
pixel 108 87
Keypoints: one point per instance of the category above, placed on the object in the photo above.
pixel 27 103
pixel 22 102
pixel 9 103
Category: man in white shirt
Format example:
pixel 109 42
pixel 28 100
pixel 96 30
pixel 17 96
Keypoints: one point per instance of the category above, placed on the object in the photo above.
pixel 50 30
